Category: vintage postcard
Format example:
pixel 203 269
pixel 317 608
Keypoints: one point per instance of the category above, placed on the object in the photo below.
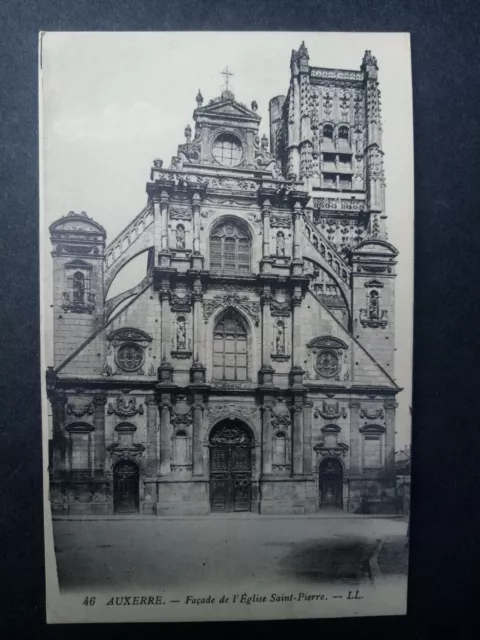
pixel 227 304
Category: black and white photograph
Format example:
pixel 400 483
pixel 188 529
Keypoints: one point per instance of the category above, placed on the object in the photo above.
pixel 226 233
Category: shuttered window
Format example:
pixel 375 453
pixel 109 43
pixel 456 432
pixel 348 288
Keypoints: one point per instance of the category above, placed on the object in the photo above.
pixel 230 248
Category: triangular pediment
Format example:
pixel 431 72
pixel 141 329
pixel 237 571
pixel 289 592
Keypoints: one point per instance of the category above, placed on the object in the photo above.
pixel 229 109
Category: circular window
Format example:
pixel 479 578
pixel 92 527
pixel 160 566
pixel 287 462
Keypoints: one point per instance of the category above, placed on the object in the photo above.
pixel 327 363
pixel 130 356
pixel 227 150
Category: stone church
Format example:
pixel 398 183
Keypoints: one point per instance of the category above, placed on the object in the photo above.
pixel 252 368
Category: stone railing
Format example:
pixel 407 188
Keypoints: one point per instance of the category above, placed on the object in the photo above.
pixel 336 74
pixel 326 251
pixel 128 236
pixel 339 204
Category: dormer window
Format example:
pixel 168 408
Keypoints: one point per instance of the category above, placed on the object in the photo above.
pixel 227 150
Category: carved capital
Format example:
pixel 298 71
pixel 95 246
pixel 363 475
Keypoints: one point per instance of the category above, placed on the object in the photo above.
pixel 150 400
pixel 99 400
pixel 58 400
pixel 297 211
pixel 164 198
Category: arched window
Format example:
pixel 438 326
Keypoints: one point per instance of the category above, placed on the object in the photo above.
pixel 280 448
pixel 230 248
pixel 181 453
pixel 343 133
pixel 230 347
pixel 328 131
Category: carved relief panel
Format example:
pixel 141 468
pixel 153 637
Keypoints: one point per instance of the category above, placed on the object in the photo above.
pixel 328 360
pixel 129 353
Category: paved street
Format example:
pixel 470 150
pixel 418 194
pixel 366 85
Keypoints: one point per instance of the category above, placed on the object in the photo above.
pixel 218 551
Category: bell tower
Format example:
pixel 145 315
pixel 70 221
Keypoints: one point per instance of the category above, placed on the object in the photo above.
pixel 78 297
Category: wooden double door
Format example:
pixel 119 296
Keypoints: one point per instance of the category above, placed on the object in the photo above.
pixel 230 477
pixel 125 487
pixel 331 483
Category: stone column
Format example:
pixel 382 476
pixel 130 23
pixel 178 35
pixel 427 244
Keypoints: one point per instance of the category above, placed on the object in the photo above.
pixel 266 211
pixel 151 453
pixel 267 440
pixel 355 448
pixel 266 328
pixel 164 199
pixel 157 216
pixel 58 459
pixel 297 438
pixel 164 407
pixel 297 359
pixel 198 323
pixel 307 438
pixel 99 402
pixel 196 203
pixel 197 412
pixel 165 320
pixel 297 231
pixel 390 406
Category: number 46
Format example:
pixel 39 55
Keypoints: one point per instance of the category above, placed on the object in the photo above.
pixel 89 602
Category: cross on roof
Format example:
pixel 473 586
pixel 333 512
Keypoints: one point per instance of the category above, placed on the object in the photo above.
pixel 227 74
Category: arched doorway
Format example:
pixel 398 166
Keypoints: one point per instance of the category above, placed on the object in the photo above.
pixel 331 483
pixel 125 487
pixel 230 467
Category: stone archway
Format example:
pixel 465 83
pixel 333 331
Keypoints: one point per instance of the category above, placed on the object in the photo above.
pixel 330 478
pixel 230 466
pixel 125 487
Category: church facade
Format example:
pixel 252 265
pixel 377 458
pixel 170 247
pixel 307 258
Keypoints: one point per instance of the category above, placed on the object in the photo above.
pixel 252 368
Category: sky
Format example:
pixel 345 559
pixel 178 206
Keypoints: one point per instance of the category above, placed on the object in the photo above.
pixel 112 102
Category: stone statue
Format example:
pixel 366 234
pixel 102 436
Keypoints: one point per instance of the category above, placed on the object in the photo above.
pixel 280 339
pixel 181 334
pixel 78 288
pixel 180 236
pixel 373 310
pixel 280 244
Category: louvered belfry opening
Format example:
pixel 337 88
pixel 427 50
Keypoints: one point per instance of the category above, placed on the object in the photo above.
pixel 230 345
pixel 230 248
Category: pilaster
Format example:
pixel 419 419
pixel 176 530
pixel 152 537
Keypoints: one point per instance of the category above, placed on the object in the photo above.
pixel 151 449
pixel 99 402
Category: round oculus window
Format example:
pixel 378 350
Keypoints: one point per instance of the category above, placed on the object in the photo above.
pixel 130 356
pixel 227 150
pixel 327 364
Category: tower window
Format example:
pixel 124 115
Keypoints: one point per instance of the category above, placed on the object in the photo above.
pixel 328 131
pixel 230 248
pixel 227 150
pixel 343 133
pixel 230 347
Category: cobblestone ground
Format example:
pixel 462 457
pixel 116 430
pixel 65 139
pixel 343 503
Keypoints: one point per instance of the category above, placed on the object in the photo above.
pixel 217 551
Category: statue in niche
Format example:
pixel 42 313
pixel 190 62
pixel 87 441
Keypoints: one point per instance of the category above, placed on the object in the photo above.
pixel 280 243
pixel 181 334
pixel 373 306
pixel 280 339
pixel 180 236
pixel 78 288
